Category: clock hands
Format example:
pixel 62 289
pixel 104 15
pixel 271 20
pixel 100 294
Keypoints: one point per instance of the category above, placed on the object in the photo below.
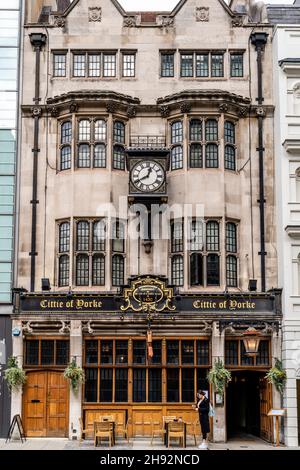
pixel 147 176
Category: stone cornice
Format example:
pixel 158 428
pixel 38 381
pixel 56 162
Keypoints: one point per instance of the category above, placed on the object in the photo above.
pixel 93 96
pixel 293 231
pixel 292 145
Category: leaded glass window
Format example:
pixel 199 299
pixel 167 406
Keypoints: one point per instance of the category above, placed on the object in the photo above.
pixel 83 235
pixel 177 157
pixel 99 235
pixel 196 269
pixel 202 65
pixel 217 65
pixel 212 156
pixel 64 271
pixel 187 65
pixel 66 133
pixel 196 157
pixel 211 130
pixel 212 236
pixel 100 156
pixel 167 64
pixel 196 130
pixel 196 242
pixel 79 65
pixel 229 132
pixel 82 270
pixel 177 270
pixel 65 158
pixel 84 156
pixel 98 270
pixel 236 65
pixel 213 270
pixel 128 65
pixel 117 270
pixel 59 65
pixel 84 130
pixel 109 65
pixel 231 271
pixel 94 65
pixel 177 237
pixel 176 132
pixel 64 237
pixel 230 160
pixel 231 237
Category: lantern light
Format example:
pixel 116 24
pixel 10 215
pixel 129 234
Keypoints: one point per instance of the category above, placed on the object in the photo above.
pixel 251 342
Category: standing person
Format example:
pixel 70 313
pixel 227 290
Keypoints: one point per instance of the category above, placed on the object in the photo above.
pixel 203 409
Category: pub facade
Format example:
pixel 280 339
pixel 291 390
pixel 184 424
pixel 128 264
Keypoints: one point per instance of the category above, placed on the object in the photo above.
pixel 147 245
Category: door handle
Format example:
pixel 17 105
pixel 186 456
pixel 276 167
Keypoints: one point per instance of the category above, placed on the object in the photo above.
pixel 35 401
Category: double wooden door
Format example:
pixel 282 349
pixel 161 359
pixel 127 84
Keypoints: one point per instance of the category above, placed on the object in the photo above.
pixel 46 404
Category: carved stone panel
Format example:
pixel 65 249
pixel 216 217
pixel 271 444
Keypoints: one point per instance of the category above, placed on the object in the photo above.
pixel 95 14
pixel 202 13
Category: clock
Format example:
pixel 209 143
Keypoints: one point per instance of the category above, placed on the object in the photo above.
pixel 147 176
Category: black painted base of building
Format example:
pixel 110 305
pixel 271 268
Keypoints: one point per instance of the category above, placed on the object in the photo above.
pixel 5 398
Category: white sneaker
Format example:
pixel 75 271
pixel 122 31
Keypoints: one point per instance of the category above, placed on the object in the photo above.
pixel 203 446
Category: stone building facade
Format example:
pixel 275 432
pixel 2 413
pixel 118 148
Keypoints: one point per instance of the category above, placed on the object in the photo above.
pixel 122 111
pixel 286 80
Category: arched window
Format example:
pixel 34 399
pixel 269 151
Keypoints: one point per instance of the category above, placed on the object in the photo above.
pixel 196 130
pixel 177 157
pixel 65 145
pixel 66 133
pixel 84 130
pixel 231 237
pixel 196 269
pixel 177 270
pixel 99 235
pixel 98 270
pixel 211 130
pixel 119 157
pixel 65 158
pixel 117 270
pixel 212 156
pixel 64 271
pixel 212 236
pixel 230 160
pixel 230 150
pixel 231 271
pixel 119 132
pixel 100 130
pixel 213 270
pixel 84 156
pixel 83 235
pixel 82 270
pixel 64 237
pixel 196 158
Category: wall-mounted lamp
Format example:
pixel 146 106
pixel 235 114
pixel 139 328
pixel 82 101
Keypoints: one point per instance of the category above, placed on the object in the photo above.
pixel 251 342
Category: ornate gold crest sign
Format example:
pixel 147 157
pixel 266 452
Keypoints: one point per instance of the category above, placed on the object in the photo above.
pixel 148 294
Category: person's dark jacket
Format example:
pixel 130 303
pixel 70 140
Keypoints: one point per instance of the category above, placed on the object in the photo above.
pixel 203 408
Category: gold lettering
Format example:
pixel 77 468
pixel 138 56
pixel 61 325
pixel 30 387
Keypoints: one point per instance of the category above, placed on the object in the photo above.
pixel 204 304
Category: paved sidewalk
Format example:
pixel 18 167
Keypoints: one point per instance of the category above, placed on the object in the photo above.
pixel 248 443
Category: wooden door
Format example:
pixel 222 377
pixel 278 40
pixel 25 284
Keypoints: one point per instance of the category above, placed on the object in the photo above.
pixel 34 404
pixel 45 404
pixel 266 422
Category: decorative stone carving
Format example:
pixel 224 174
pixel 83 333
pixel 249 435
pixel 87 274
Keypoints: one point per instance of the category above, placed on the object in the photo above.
pixel 73 107
pixel 223 107
pixel 36 111
pixel 111 107
pixel 202 13
pixel 131 111
pixel 54 111
pixel 95 14
pixel 59 22
pixel 164 110
pixel 260 111
pixel 65 328
pixel 129 22
pixel 237 21
pixel 185 107
pixel 257 11
pixel 166 21
pixel 242 112
pixel 26 328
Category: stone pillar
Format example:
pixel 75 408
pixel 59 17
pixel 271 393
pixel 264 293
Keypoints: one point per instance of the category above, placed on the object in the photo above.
pixel 276 397
pixel 75 398
pixel 17 351
pixel 219 420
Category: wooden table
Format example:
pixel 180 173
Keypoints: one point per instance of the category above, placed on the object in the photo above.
pixel 167 428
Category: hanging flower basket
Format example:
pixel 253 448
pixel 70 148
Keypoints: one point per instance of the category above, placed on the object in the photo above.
pixel 14 375
pixel 277 376
pixel 219 377
pixel 75 375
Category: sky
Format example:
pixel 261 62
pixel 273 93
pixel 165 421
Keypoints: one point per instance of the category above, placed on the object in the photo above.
pixel 167 5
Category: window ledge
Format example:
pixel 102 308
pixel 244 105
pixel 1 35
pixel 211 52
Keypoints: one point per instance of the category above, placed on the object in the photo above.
pixel 293 231
pixel 292 145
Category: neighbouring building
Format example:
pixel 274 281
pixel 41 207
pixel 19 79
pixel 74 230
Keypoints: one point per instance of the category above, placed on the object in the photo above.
pixel 147 219
pixel 286 53
pixel 10 22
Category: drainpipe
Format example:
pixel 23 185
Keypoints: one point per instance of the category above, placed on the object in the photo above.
pixel 38 41
pixel 259 40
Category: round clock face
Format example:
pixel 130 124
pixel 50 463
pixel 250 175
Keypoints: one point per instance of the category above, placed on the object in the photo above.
pixel 147 176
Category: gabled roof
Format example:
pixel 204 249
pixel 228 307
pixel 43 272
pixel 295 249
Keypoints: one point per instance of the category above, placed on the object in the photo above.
pixel 123 12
